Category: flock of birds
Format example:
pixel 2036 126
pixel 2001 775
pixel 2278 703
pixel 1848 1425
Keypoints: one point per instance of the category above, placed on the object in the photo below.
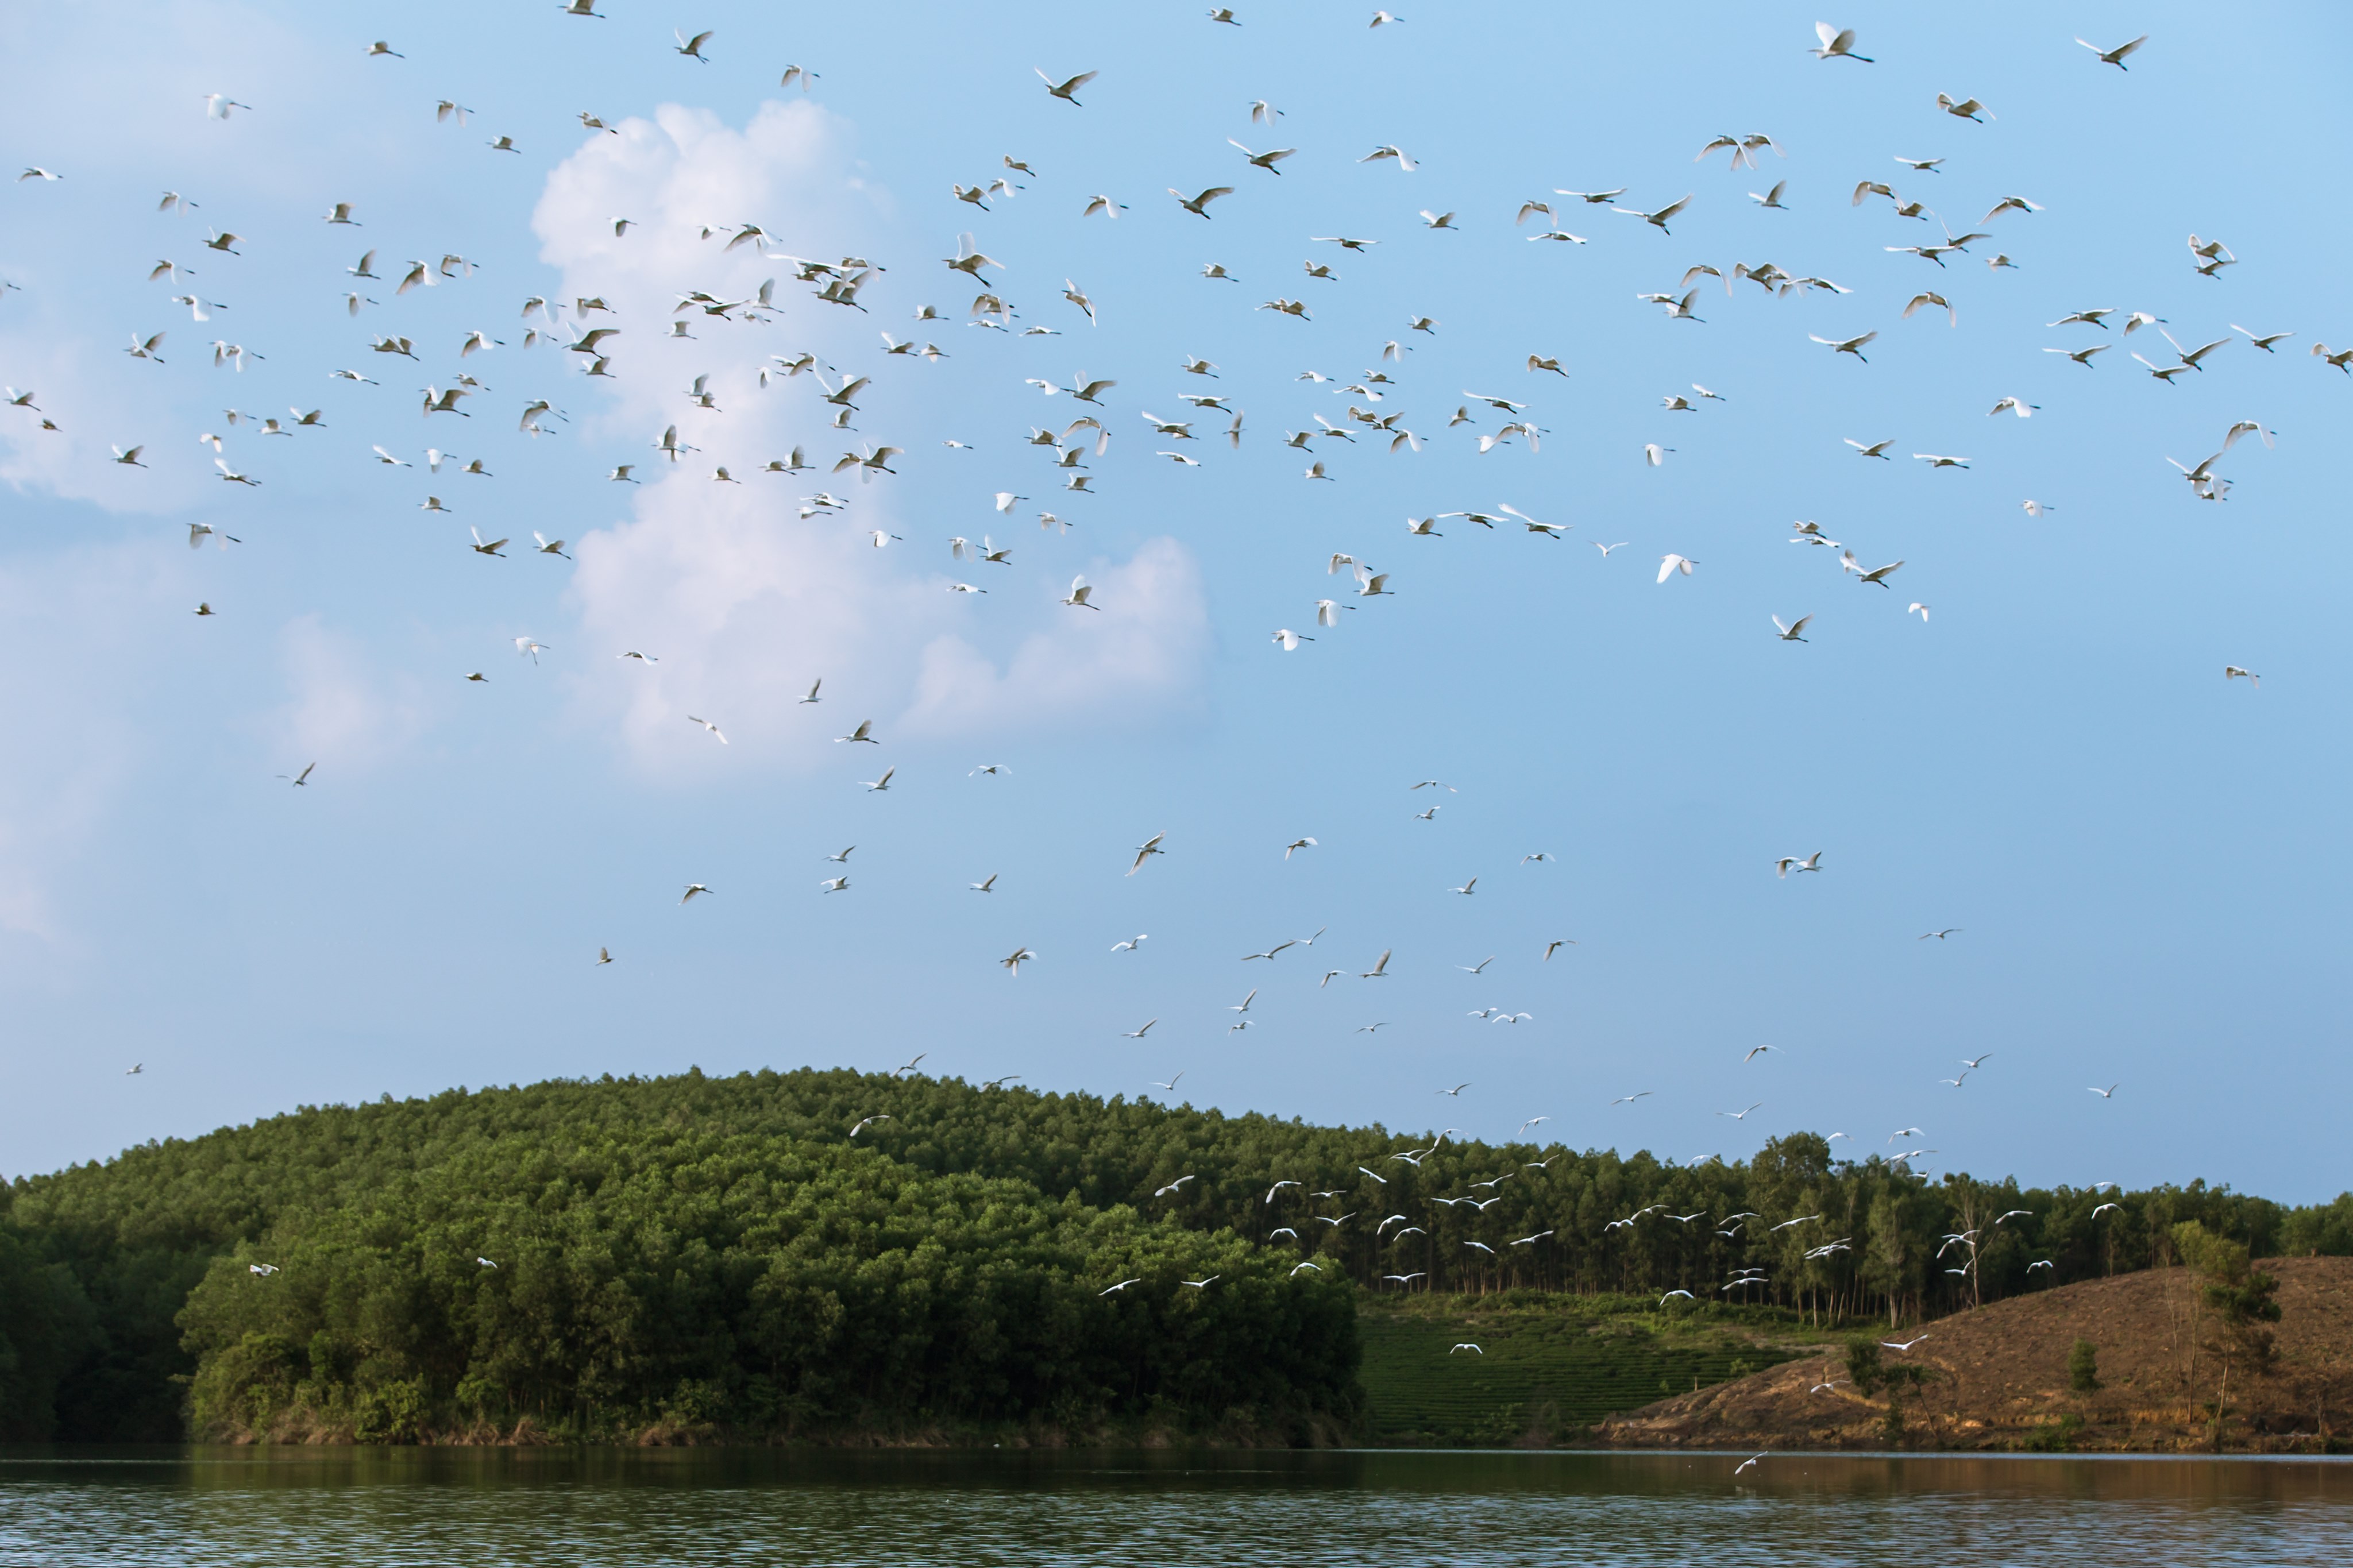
pixel 590 338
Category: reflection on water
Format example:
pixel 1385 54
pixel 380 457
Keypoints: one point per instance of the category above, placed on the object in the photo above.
pixel 366 1508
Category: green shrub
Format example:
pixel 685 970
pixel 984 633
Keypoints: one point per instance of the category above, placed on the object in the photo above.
pixel 2084 1367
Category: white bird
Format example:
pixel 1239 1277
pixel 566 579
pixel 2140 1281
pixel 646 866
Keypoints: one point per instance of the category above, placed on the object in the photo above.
pixel 1848 346
pixel 1838 44
pixel 1671 564
pixel 1933 298
pixel 1790 632
pixel 2233 672
pixel 1065 89
pixel 1146 850
pixel 2083 356
pixel 1877 575
pixel 708 725
pixel 1658 219
pixel 2117 56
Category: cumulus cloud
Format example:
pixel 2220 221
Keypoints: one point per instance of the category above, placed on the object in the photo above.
pixel 338 706
pixel 1135 662
pixel 100 402
pixel 743 602
pixel 687 181
pixel 743 607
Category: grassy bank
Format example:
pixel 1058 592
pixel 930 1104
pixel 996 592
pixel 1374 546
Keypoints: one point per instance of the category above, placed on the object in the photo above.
pixel 1549 1367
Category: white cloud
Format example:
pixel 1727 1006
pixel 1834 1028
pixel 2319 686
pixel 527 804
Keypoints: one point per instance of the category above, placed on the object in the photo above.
pixel 743 602
pixel 99 399
pixel 1135 662
pixel 675 176
pixel 338 709
pixel 743 605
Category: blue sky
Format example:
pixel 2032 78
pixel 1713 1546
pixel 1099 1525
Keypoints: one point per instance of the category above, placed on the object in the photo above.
pixel 2144 861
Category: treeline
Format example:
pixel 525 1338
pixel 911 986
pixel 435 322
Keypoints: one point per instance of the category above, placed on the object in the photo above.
pixel 722 1258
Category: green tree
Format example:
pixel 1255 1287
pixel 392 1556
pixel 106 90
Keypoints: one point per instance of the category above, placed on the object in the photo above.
pixel 693 1253
pixel 2084 1367
pixel 2238 1296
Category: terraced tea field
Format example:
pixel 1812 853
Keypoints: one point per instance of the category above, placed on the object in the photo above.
pixel 1542 1370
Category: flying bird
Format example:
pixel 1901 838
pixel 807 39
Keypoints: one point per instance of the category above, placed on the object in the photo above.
pixel 1836 44
pixel 2117 56
pixel 1146 851
pixel 1066 89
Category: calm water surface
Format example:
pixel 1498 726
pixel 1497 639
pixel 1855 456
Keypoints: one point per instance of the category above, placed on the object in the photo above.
pixel 366 1508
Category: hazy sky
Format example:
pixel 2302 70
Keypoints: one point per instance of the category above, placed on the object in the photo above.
pixel 2145 862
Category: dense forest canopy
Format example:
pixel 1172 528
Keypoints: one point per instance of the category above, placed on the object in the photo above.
pixel 827 1253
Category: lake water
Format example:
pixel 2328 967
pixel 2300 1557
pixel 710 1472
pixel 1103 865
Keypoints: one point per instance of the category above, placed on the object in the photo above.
pixel 486 1509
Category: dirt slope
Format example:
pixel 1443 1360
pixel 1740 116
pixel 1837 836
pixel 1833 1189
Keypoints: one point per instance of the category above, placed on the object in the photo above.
pixel 2001 1379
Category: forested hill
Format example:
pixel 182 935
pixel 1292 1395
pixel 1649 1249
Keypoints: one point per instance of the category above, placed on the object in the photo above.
pixel 827 1253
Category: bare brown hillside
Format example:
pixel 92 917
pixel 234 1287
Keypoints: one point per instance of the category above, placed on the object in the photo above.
pixel 2000 1379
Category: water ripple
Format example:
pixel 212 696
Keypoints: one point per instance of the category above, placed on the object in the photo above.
pixel 379 1509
